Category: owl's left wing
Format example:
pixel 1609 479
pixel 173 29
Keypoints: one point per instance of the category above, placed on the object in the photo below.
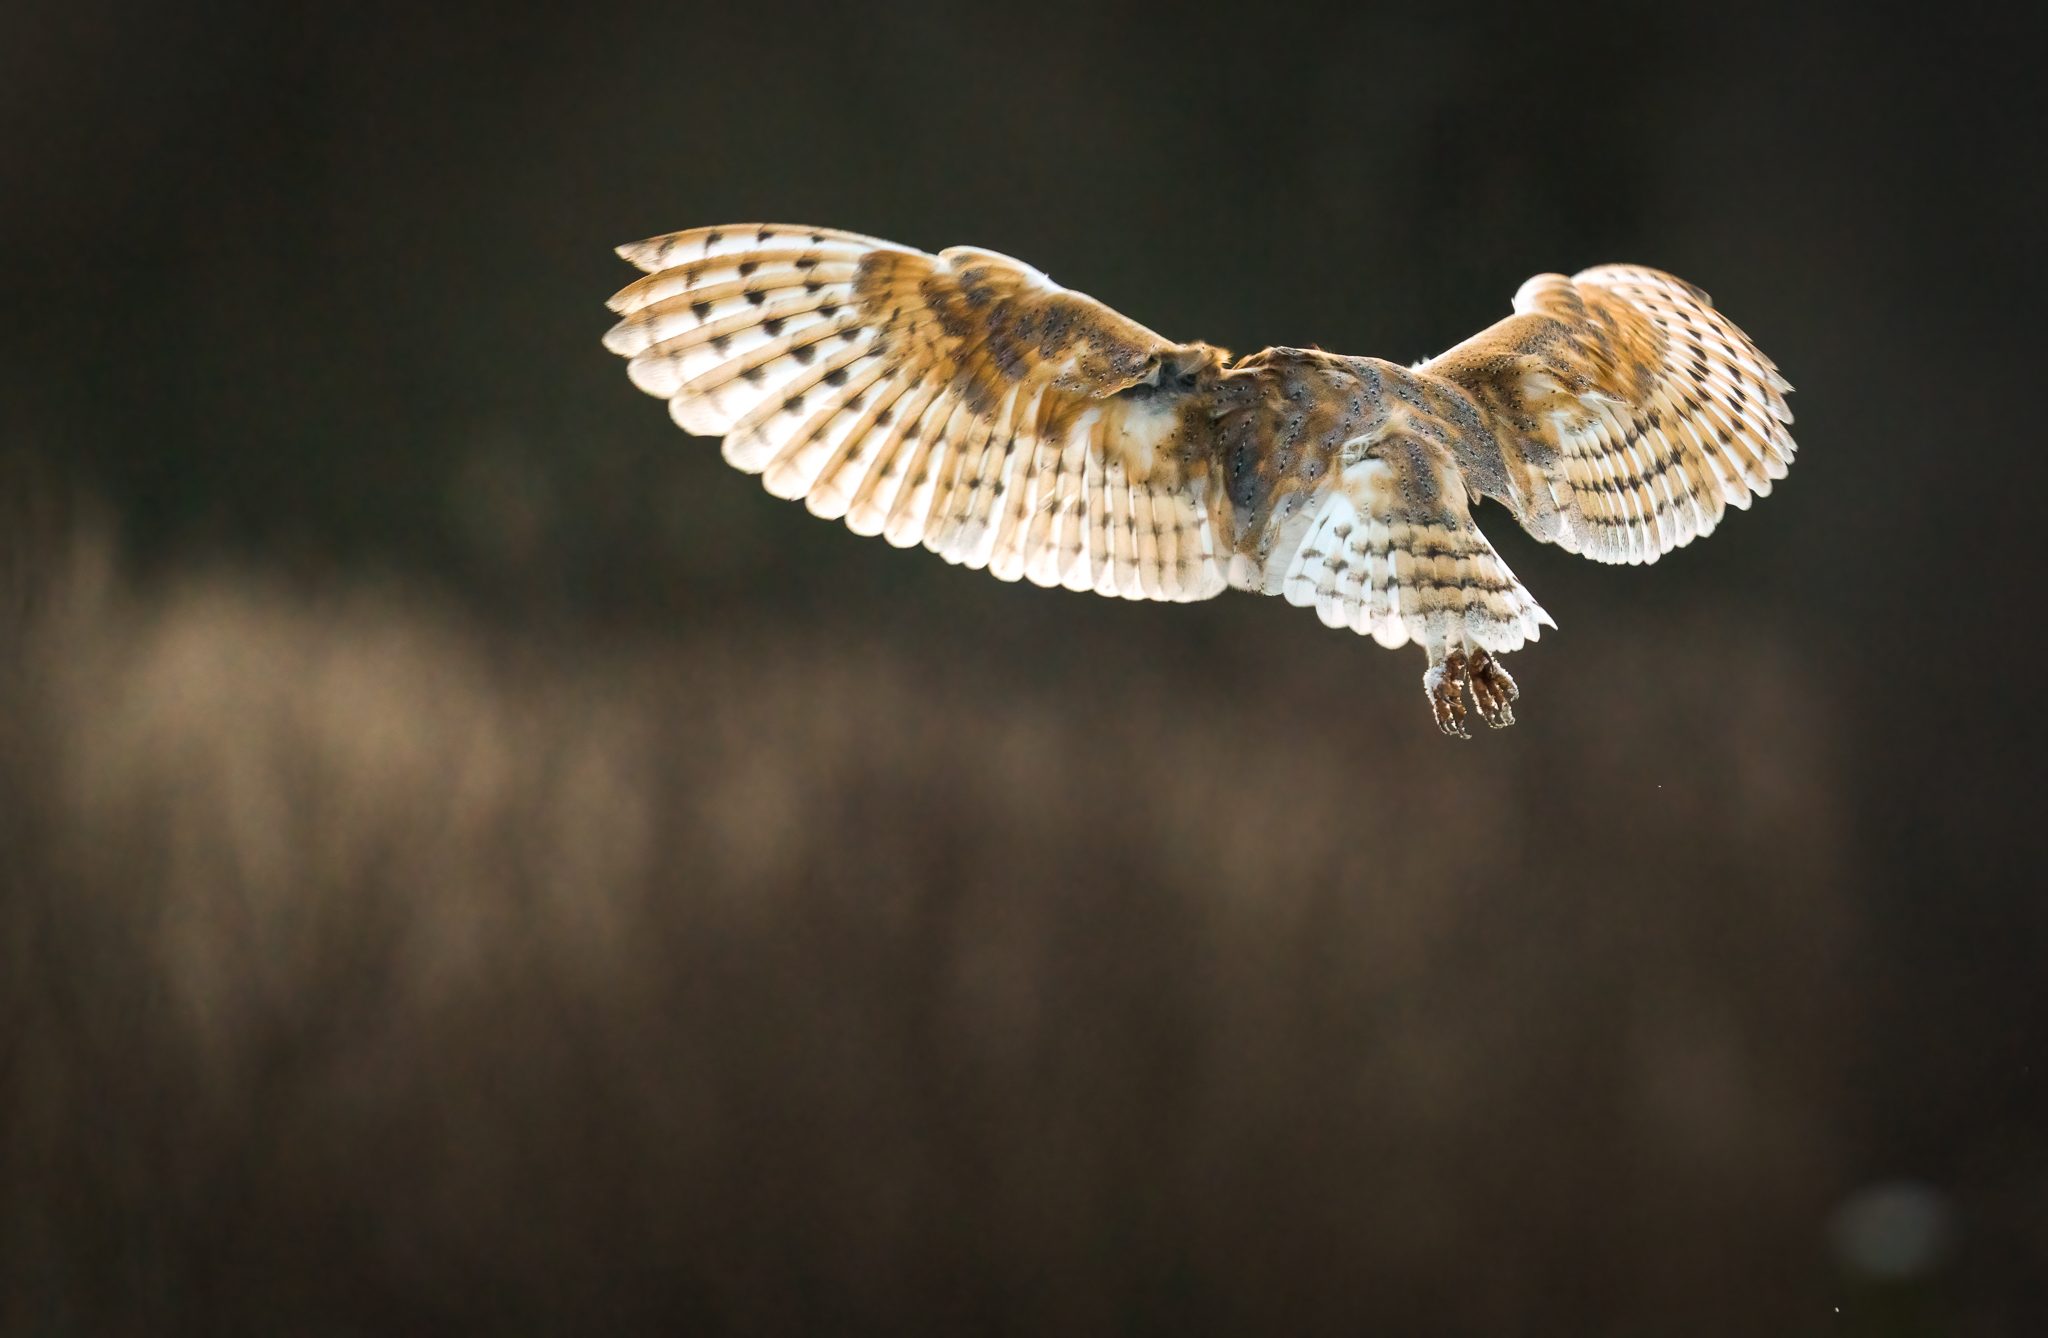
pixel 1631 409
pixel 962 400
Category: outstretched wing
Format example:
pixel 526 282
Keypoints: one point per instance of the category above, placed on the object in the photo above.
pixel 1631 412
pixel 963 401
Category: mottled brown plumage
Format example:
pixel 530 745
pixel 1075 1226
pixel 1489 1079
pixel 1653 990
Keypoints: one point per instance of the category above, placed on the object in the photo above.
pixel 966 402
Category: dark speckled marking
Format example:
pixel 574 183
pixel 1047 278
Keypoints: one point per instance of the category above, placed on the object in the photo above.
pixel 804 353
pixel 980 395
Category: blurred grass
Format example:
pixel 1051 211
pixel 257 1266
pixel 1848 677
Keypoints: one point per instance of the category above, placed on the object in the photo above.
pixel 373 966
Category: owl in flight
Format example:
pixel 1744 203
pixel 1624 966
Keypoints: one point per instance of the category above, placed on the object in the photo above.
pixel 967 402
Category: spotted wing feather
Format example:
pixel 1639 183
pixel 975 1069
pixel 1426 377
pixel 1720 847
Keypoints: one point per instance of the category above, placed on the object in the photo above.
pixel 1632 411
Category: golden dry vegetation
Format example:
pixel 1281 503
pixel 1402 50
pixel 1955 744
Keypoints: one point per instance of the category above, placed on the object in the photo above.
pixel 375 962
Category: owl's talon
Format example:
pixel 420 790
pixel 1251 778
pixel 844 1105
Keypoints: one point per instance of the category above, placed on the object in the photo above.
pixel 1493 690
pixel 1445 685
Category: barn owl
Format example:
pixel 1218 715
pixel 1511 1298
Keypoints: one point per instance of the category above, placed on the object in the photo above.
pixel 967 402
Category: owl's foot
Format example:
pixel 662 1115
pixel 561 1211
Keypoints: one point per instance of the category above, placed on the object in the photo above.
pixel 1493 692
pixel 1445 686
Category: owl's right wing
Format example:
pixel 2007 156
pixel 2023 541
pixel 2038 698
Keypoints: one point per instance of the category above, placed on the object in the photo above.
pixel 1631 410
pixel 963 401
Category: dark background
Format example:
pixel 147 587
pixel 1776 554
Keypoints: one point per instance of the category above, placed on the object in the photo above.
pixel 468 859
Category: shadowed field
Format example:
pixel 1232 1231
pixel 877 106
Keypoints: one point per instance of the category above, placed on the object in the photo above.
pixel 372 967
